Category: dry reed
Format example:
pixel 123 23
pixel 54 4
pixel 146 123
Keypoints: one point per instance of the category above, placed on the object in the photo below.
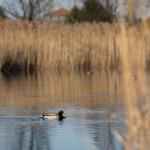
pixel 25 45
pixel 138 106
pixel 137 118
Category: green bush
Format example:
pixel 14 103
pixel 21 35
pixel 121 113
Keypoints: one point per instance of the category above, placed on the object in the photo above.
pixel 2 14
pixel 74 16
pixel 93 10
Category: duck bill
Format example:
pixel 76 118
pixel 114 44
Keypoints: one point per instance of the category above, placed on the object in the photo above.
pixel 64 114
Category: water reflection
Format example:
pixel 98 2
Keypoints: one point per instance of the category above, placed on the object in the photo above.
pixel 88 101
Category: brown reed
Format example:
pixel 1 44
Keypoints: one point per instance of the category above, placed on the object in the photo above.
pixel 136 93
pixel 138 105
pixel 52 45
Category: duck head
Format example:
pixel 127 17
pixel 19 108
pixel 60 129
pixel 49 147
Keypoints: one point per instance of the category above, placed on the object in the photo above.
pixel 60 113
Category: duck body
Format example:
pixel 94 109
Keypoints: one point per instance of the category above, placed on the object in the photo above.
pixel 53 116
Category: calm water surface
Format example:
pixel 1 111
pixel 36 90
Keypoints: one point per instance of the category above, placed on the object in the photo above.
pixel 88 101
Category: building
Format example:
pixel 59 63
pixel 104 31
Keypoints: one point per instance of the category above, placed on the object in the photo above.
pixel 58 15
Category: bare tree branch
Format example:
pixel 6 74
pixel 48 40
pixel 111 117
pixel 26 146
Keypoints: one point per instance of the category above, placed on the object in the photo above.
pixel 111 7
pixel 28 9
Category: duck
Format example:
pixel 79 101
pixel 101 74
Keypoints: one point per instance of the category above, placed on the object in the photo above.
pixel 133 77
pixel 54 116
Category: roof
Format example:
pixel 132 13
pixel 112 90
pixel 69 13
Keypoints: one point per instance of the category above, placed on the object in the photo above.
pixel 59 12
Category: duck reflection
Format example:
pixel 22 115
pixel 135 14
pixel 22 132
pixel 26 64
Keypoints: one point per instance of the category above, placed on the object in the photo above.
pixel 50 119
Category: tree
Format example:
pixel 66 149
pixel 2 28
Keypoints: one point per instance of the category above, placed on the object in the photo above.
pixel 111 7
pixel 28 9
pixel 74 16
pixel 92 10
pixel 2 14
pixel 131 10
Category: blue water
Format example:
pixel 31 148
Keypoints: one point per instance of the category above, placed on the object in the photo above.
pixel 88 102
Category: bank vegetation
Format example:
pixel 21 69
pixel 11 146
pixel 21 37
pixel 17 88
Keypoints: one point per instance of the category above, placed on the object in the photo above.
pixel 51 45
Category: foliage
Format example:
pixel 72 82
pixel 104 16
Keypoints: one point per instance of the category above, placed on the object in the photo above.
pixel 2 14
pixel 148 21
pixel 93 10
pixel 74 16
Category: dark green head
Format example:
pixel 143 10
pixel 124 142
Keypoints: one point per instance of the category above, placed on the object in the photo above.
pixel 60 113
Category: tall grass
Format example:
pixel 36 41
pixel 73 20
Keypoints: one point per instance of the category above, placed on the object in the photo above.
pixel 25 45
pixel 138 105
pixel 136 93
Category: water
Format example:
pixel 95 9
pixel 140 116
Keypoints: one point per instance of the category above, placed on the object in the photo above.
pixel 88 101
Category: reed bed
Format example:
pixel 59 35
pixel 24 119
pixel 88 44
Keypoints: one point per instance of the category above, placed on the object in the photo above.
pixel 51 45
pixel 136 94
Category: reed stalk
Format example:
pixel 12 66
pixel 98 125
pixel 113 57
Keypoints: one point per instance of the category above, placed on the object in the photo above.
pixel 51 45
